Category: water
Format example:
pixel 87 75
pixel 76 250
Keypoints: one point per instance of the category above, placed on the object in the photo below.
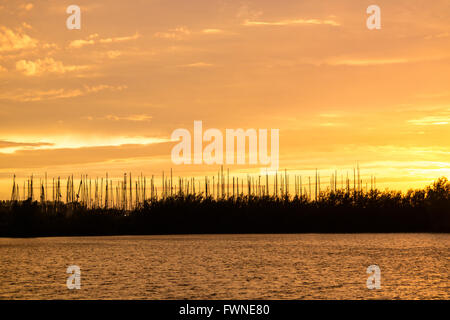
pixel 306 266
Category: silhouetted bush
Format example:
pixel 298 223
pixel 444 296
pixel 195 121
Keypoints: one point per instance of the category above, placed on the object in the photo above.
pixel 339 211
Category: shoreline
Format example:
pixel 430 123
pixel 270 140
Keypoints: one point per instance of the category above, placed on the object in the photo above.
pixel 418 211
pixel 220 234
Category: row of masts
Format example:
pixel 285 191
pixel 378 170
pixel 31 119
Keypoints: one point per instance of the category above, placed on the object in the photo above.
pixel 130 193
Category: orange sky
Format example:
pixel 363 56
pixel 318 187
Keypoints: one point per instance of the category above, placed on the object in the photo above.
pixel 107 97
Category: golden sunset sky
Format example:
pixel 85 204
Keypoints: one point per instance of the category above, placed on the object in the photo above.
pixel 106 98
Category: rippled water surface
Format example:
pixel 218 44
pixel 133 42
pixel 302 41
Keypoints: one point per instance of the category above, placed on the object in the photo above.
pixel 304 266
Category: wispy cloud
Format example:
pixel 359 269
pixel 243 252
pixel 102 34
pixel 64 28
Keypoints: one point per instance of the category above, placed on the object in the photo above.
pixel 331 124
pixel 119 39
pixel 438 36
pixel 366 62
pixel 8 144
pixel 13 146
pixel 94 39
pixel 81 43
pixel 212 31
pixel 134 117
pixel 47 65
pixel 113 54
pixel 197 65
pixel 174 34
pixel 430 121
pixel 375 61
pixel 250 23
pixel 41 95
pixel 21 145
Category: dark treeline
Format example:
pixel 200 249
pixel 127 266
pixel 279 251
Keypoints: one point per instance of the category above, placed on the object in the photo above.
pixel 335 211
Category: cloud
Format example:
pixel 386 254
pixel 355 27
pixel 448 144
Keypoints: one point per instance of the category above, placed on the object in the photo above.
pixel 80 43
pixel 112 54
pixel 102 87
pixel 7 147
pixel 367 62
pixel 244 11
pixel 250 23
pixel 92 39
pixel 197 65
pixel 430 121
pixel 26 25
pixel 349 61
pixel 50 46
pixel 119 39
pixel 75 142
pixel 438 36
pixel 212 31
pixel 47 65
pixel 12 41
pixel 41 95
pixel 83 152
pixel 331 124
pixel 175 34
pixel 8 144
pixel 26 6
pixel 135 117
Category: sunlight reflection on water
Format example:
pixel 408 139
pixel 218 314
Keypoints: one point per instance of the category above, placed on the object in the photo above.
pixel 303 266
